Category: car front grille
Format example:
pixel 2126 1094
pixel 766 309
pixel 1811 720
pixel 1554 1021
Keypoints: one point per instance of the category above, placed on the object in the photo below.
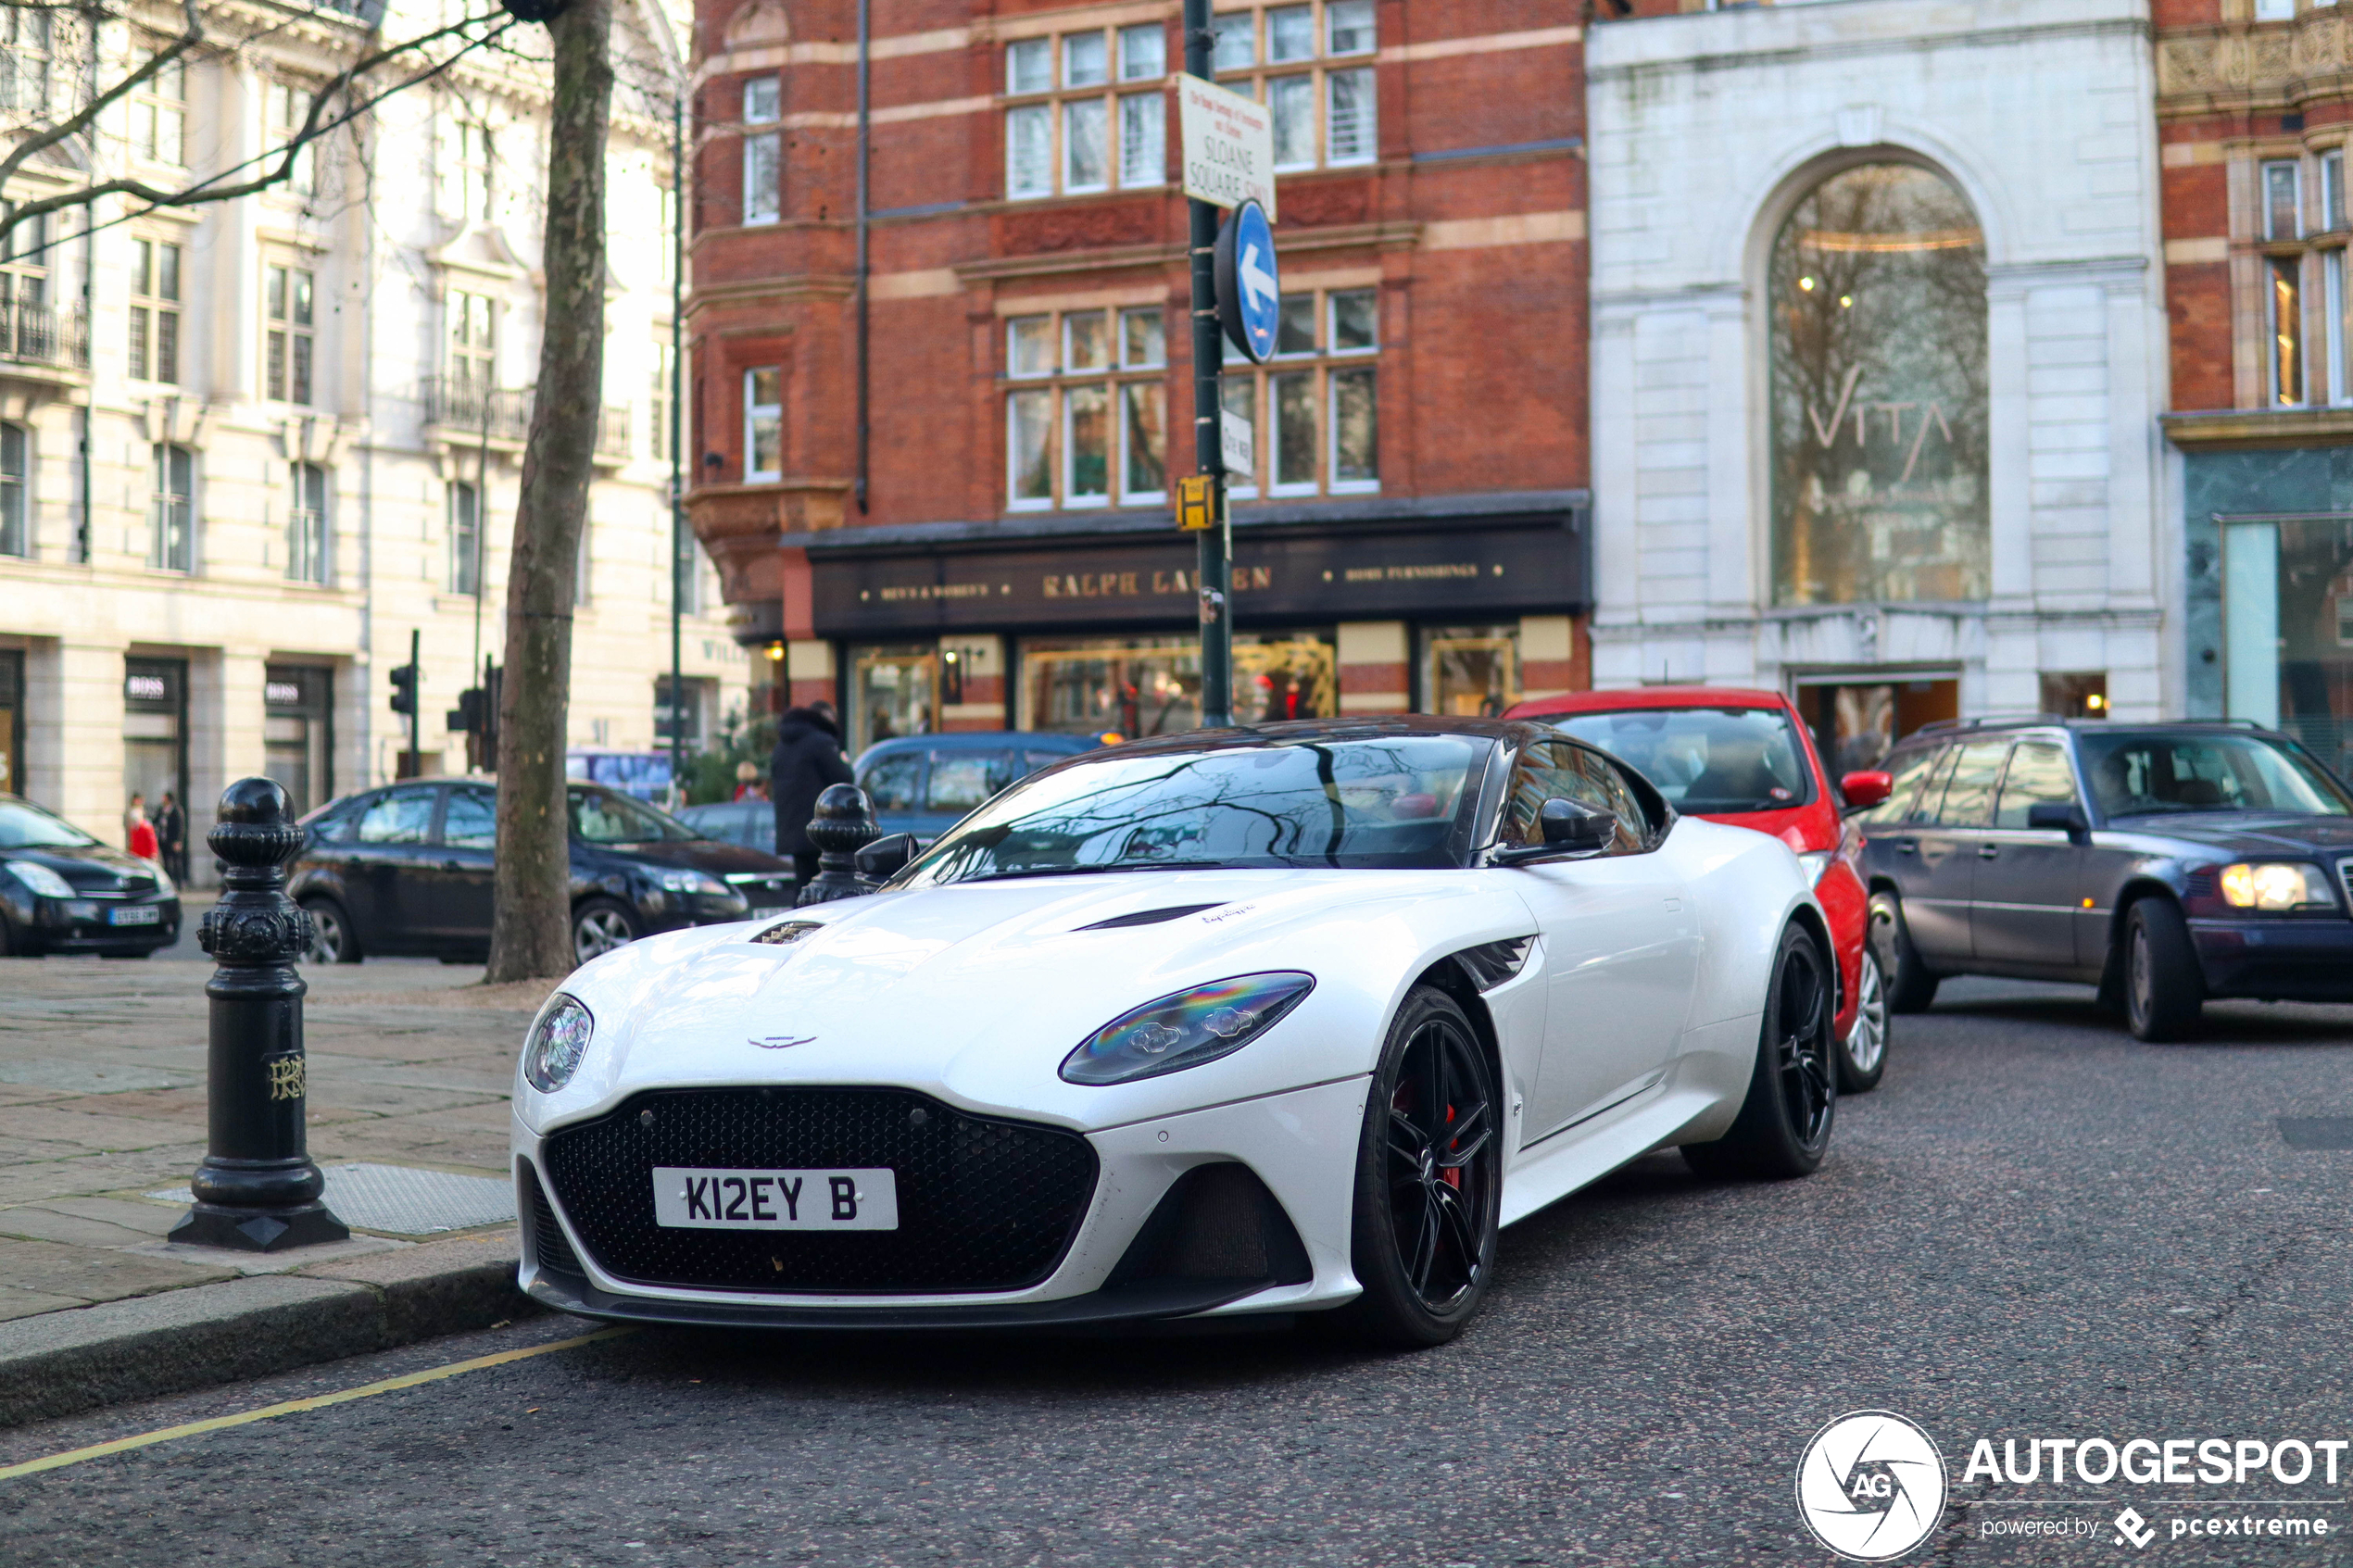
pixel 982 1204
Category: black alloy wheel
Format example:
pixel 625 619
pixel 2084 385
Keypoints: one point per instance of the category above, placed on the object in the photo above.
pixel 1428 1179
pixel 1783 1127
pixel 332 940
pixel 2164 987
pixel 1910 986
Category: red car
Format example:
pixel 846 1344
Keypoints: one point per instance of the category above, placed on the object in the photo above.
pixel 1743 757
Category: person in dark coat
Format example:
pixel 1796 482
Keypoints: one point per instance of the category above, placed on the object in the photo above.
pixel 172 838
pixel 806 759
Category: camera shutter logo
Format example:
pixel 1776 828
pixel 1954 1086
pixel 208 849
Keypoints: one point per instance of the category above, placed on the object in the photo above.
pixel 1871 1486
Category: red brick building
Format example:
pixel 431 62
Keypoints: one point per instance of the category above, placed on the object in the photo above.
pixel 997 550
pixel 2255 109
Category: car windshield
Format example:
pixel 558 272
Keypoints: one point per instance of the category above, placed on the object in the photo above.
pixel 26 827
pixel 1385 801
pixel 1704 759
pixel 2134 775
pixel 599 818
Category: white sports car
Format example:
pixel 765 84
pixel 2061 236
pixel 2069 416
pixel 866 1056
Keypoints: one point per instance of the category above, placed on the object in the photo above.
pixel 1243 1022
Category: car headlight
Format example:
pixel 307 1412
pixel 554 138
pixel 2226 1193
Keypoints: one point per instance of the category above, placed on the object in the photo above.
pixel 1184 1030
pixel 691 882
pixel 2281 885
pixel 1815 862
pixel 557 1043
pixel 44 883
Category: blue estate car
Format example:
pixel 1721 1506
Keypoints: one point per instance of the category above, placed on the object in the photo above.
pixel 2165 863
pixel 919 784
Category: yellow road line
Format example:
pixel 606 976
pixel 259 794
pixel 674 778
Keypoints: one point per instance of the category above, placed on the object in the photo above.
pixel 295 1407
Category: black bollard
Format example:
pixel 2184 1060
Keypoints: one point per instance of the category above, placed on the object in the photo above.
pixel 257 1190
pixel 843 825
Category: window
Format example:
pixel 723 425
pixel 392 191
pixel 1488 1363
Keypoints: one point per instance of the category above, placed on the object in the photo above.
pixel 465 539
pixel 155 311
pixel 287 301
pixel 16 488
pixel 1085 134
pixel 1556 770
pixel 474 320
pixel 1095 431
pixel 160 114
pixel 764 424
pixel 582 563
pixel 1969 792
pixel 2276 10
pixel 24 60
pixel 1311 65
pixel 658 405
pixel 1320 394
pixel 171 514
pixel 405 816
pixel 306 526
pixel 763 152
pixel 470 820
pixel 2283 328
pixel 289 110
pixel 24 267
pixel 689 580
pixel 2283 201
pixel 2038 776
pixel 469 188
pixel 2332 191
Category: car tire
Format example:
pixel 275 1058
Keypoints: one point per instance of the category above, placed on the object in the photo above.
pixel 1784 1124
pixel 1430 1170
pixel 332 938
pixel 1862 1056
pixel 2164 987
pixel 599 925
pixel 1910 987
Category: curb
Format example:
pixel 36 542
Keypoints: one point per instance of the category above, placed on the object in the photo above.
pixel 62 1363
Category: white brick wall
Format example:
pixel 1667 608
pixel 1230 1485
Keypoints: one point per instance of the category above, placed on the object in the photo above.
pixel 1704 129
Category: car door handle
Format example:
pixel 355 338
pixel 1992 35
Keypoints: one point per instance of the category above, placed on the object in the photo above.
pixel 1989 851
pixel 1907 846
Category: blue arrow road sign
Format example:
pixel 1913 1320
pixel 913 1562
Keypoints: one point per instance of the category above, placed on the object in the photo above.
pixel 1250 290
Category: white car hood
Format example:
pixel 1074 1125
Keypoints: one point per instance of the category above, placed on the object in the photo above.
pixel 977 992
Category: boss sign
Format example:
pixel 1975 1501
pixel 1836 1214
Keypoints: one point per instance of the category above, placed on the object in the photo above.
pixel 1229 146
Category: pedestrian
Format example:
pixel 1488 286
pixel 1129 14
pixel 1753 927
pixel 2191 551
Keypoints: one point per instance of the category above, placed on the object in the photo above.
pixel 747 780
pixel 171 836
pixel 808 758
pixel 133 814
pixel 143 840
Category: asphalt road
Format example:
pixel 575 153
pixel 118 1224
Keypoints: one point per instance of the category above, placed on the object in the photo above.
pixel 2035 1228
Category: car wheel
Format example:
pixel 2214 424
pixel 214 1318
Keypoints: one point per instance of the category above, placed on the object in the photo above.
pixel 599 926
pixel 2164 988
pixel 332 938
pixel 1862 1056
pixel 1784 1124
pixel 1429 1180
pixel 1910 987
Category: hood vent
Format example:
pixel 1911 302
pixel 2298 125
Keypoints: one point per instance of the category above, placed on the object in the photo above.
pixel 1149 917
pixel 789 932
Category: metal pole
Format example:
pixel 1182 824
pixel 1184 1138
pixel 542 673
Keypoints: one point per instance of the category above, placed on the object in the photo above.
pixel 679 554
pixel 865 149
pixel 416 708
pixel 1216 560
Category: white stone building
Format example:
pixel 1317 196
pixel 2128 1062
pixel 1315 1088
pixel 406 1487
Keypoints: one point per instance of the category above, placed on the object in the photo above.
pixel 1878 346
pixel 292 462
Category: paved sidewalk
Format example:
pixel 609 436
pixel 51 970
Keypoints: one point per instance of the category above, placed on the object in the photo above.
pixel 103 1103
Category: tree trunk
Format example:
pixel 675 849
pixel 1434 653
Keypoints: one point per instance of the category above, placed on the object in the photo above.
pixel 531 933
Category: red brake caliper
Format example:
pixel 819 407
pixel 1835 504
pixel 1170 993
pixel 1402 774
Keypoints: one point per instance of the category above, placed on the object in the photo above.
pixel 1453 1173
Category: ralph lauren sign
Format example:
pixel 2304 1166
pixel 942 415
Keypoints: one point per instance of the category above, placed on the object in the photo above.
pixel 1490 570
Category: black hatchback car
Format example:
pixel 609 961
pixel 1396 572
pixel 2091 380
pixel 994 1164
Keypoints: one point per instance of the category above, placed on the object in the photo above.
pixel 2164 863
pixel 61 891
pixel 407 869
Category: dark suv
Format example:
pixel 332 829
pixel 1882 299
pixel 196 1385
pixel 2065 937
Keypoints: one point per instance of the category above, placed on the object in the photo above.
pixel 407 869
pixel 2164 863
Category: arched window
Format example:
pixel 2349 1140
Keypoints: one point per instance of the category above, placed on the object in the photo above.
pixel 1879 420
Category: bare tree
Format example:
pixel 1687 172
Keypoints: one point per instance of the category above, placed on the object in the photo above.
pixel 531 928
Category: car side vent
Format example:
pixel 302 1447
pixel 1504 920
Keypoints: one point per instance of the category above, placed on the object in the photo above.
pixel 548 1242
pixel 1218 1222
pixel 787 932
pixel 1148 917
pixel 1491 963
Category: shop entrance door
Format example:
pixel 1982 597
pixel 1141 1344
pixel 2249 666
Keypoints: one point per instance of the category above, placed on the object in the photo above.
pixel 155 730
pixel 1857 721
pixel 12 774
pixel 297 735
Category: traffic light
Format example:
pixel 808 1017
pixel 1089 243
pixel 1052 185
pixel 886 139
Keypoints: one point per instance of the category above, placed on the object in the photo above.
pixel 404 689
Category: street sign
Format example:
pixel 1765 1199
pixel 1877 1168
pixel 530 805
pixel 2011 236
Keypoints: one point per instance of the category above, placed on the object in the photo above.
pixel 1196 503
pixel 1238 443
pixel 1229 145
pixel 1250 288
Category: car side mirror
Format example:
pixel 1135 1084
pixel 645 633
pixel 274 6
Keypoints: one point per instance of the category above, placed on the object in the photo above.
pixel 1569 827
pixel 885 857
pixel 2065 816
pixel 1866 789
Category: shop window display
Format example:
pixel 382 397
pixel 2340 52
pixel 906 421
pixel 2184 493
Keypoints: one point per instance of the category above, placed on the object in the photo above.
pixel 895 691
pixel 1137 686
pixel 1470 671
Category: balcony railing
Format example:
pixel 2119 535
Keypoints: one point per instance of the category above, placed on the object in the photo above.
pixel 460 405
pixel 35 335
pixel 613 432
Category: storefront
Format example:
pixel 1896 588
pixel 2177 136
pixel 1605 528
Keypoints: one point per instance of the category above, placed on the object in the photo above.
pixel 155 729
pixel 298 732
pixel 12 774
pixel 1386 609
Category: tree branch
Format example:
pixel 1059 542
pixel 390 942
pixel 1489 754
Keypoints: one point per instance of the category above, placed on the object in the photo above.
pixel 42 141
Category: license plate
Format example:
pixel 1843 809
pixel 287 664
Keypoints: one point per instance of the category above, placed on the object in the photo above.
pixel 775 1201
pixel 134 914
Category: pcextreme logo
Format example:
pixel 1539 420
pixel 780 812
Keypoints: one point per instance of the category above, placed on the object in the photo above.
pixel 1871 1486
